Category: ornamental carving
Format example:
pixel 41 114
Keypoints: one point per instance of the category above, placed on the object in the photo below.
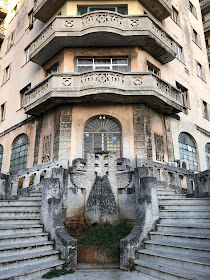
pixel 67 82
pixel 42 37
pixel 134 22
pixel 69 23
pixel 102 18
pixel 47 147
pixel 137 81
pixel 104 78
pixel 159 147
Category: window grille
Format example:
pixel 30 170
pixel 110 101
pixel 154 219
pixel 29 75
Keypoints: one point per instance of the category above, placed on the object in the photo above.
pixel 102 134
pixel 187 150
pixel 19 153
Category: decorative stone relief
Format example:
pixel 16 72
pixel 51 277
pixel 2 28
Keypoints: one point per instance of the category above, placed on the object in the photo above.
pixel 69 23
pixel 101 19
pixel 134 22
pixel 47 147
pixel 67 82
pixel 159 147
pixel 104 78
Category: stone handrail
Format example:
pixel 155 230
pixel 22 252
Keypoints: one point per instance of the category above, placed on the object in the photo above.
pixel 202 184
pixel 206 25
pixel 84 24
pixel 178 178
pixel 23 181
pixel 80 84
pixel 4 186
pixel 147 216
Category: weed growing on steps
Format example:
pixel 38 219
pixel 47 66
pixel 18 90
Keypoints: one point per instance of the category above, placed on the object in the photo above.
pixel 57 272
pixel 105 237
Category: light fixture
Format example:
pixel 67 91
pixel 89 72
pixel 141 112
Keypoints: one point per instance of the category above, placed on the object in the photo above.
pixel 100 117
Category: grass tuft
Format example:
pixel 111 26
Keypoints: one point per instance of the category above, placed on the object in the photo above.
pixel 57 272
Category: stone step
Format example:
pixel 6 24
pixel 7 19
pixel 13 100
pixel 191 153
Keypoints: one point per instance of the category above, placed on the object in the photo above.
pixel 24 213
pixel 190 228
pixel 39 194
pixel 18 229
pixel 172 259
pixel 22 248
pixel 168 272
pixel 30 272
pixel 20 220
pixel 19 203
pixel 20 208
pixel 184 201
pixel 182 220
pixel 171 196
pixel 185 207
pixel 183 248
pixel 181 237
pixel 164 192
pixel 185 214
pixel 29 197
pixel 20 260
pixel 24 237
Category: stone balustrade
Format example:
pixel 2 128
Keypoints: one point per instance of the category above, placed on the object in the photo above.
pixel 103 29
pixel 104 85
pixel 206 26
pixel 2 30
pixel 202 184
pixel 32 176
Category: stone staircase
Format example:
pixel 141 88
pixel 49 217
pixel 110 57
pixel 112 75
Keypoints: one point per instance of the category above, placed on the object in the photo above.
pixel 180 248
pixel 25 250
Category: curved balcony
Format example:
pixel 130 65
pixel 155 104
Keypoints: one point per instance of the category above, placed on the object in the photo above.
pixel 2 30
pixel 3 8
pixel 205 6
pixel 103 29
pixel 106 87
pixel 208 52
pixel 206 26
pixel 45 9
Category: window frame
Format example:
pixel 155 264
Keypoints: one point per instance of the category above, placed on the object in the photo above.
pixel 176 18
pixel 3 111
pixel 27 55
pixel 179 53
pixel 6 74
pixel 102 6
pixel 153 68
pixel 22 94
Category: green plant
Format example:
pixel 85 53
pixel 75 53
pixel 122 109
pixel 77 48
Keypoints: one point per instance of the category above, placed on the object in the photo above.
pixel 58 272
pixel 31 179
pixel 20 182
pixel 105 237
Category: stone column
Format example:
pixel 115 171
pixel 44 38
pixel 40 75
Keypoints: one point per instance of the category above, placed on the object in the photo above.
pixel 142 131
pixel 169 139
pixel 62 133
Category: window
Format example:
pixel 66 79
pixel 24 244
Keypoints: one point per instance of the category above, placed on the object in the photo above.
pixel 22 94
pixel 153 69
pixel 192 9
pixel 175 15
pixel 14 12
pixel 19 153
pixel 102 134
pixel 6 74
pixel 30 19
pixel 205 109
pixel 187 150
pixel 196 38
pixel 1 156
pixel 117 9
pixel 53 69
pixel 179 53
pixel 115 63
pixel 200 70
pixel 207 152
pixel 185 98
pixel 27 55
pixel 10 40
pixel 3 111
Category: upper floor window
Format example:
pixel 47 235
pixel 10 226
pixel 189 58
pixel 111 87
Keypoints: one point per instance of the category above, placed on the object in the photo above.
pixel 196 37
pixel 117 9
pixel 205 109
pixel 27 55
pixel 14 11
pixel 3 111
pixel 115 63
pixel 192 9
pixel 22 94
pixel 153 69
pixel 6 74
pixel 179 53
pixel 10 40
pixel 185 98
pixel 53 69
pixel 30 19
pixel 175 15
pixel 200 71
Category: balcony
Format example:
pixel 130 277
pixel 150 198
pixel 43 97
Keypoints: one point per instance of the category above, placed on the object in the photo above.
pixel 206 26
pixel 105 87
pixel 205 6
pixel 3 8
pixel 2 30
pixel 45 9
pixel 103 29
pixel 208 52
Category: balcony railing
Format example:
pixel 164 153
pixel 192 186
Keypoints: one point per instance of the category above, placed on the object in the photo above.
pixel 2 30
pixel 45 9
pixel 103 29
pixel 205 6
pixel 208 52
pixel 3 8
pixel 103 86
pixel 206 26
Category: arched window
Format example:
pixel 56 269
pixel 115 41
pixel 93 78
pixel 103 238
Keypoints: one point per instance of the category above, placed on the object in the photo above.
pixel 102 134
pixel 19 153
pixel 187 150
pixel 1 156
pixel 207 152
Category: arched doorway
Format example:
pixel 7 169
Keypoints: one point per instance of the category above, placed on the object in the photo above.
pixel 19 153
pixel 103 133
pixel 187 150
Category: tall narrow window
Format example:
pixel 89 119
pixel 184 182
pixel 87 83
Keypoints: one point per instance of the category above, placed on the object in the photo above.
pixel 6 74
pixel 102 134
pixel 175 15
pixel 204 109
pixel 185 98
pixel 22 94
pixel 1 156
pixel 153 69
pixel 187 150
pixel 207 152
pixel 30 19
pixel 19 153
pixel 27 55
pixel 192 9
pixel 3 111
pixel 179 53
